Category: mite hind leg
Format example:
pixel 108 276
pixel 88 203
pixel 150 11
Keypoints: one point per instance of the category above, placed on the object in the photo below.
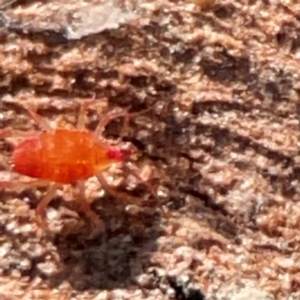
pixel 40 210
pixel 13 184
pixel 8 133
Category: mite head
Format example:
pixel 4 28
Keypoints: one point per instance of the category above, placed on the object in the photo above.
pixel 123 152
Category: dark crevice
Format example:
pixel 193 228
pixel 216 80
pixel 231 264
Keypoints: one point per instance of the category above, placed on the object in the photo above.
pixel 225 137
pixel 184 290
pixel 207 200
pixel 15 3
pixel 49 37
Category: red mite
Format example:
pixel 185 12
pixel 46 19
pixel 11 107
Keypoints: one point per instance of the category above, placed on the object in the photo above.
pixel 64 156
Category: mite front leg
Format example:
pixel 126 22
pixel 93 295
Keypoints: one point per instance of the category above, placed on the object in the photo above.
pixel 40 210
pixel 129 169
pixel 117 113
pixel 128 199
pixel 84 107
pixel 81 199
pixel 39 120
pixel 109 116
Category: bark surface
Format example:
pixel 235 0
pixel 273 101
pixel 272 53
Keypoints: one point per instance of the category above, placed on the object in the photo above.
pixel 220 144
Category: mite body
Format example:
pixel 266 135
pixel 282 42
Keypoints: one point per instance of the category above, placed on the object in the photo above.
pixel 64 156
pixel 69 156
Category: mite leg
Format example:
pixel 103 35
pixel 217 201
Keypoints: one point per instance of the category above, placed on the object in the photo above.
pixel 117 113
pixel 111 115
pixel 39 120
pixel 140 180
pixel 117 194
pixel 81 199
pixel 6 133
pixel 83 108
pixel 40 210
pixel 5 184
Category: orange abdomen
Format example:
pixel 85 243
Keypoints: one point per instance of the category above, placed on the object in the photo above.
pixel 64 156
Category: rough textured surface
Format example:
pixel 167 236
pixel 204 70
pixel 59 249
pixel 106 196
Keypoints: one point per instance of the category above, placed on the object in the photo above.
pixel 222 143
